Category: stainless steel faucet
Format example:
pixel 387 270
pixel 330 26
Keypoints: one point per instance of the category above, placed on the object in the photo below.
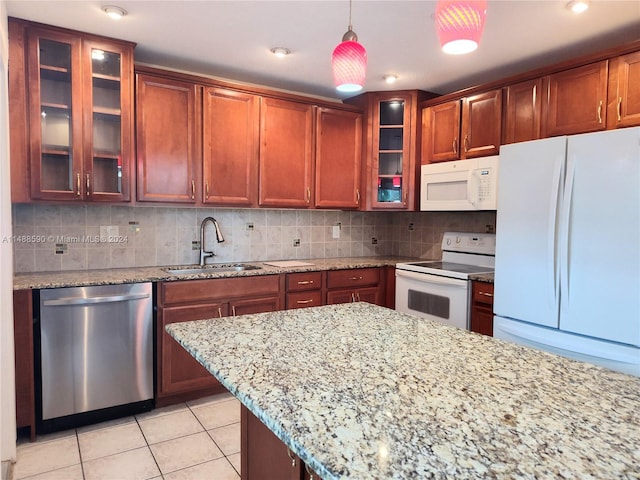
pixel 204 254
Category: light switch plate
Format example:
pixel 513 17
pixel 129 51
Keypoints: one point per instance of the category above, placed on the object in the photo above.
pixel 336 231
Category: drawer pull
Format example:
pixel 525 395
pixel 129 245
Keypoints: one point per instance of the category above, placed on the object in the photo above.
pixel 306 467
pixel 304 302
pixel 356 278
pixel 233 310
pixel 486 294
pixel 305 282
pixel 219 312
pixel 193 189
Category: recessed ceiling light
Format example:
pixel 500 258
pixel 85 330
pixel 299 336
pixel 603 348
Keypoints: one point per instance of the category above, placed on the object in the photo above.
pixel 280 52
pixel 114 12
pixel 390 78
pixel 578 6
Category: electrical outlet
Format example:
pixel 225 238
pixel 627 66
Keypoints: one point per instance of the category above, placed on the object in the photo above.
pixel 489 229
pixel 335 232
pixel 109 233
pixel 195 245
pixel 410 227
pixel 296 242
pixel 374 241
pixel 250 226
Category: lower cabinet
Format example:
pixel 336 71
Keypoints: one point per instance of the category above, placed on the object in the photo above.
pixel 355 285
pixel 264 456
pixel 482 308
pixel 23 346
pixel 180 376
pixel 304 289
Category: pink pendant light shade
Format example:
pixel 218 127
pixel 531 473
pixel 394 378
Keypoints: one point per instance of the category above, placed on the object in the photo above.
pixel 460 24
pixel 349 63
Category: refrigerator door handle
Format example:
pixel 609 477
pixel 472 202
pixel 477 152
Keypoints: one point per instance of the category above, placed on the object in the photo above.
pixel 566 233
pixel 552 263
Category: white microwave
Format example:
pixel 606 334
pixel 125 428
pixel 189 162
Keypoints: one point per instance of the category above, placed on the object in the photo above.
pixel 460 185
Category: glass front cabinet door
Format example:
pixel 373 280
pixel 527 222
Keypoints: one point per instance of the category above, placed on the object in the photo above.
pixel 391 152
pixel 81 125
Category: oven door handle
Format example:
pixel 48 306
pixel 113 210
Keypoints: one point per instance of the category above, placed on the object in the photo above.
pixel 429 278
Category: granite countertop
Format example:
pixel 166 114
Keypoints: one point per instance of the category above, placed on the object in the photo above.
pixel 481 277
pixel 360 391
pixel 81 278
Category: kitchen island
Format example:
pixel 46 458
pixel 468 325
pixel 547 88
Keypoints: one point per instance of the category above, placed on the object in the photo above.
pixel 360 391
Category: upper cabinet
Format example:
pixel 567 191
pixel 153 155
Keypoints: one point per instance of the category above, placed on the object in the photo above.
pixel 392 155
pixel 521 116
pixel 80 114
pixel 465 128
pixel 230 147
pixel 575 100
pixel 624 91
pixel 286 153
pixel 168 139
pixel 338 158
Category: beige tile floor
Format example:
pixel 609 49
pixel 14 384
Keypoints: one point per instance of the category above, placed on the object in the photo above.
pixel 188 441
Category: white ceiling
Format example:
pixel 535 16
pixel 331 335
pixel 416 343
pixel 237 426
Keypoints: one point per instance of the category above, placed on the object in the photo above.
pixel 231 39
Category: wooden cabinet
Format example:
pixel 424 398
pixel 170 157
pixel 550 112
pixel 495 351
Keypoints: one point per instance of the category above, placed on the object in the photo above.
pixel 522 111
pixel 338 158
pixel 231 131
pixel 391 159
pixel 169 139
pixel 623 106
pixel 23 346
pixel 304 289
pixel 354 285
pixel 482 308
pixel 575 100
pixel 262 454
pixel 179 375
pixel 441 132
pixel 79 120
pixel 286 154
pixel 465 128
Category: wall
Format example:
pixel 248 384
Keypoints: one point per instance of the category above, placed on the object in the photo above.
pixel 152 236
pixel 7 369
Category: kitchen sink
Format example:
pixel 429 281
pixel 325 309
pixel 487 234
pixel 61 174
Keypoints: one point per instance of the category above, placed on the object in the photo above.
pixel 237 267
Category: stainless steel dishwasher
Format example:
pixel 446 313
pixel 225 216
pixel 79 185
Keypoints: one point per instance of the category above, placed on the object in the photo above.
pixel 96 353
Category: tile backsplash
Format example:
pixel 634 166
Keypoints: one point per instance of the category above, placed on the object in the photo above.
pixel 69 237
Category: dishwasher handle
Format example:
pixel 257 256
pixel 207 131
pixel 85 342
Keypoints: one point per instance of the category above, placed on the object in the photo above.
pixel 95 300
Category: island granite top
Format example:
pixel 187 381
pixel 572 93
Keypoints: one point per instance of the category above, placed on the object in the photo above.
pixel 363 392
pixel 112 276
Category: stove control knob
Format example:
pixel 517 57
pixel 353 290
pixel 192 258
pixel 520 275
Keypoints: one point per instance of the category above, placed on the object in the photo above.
pixel 458 239
pixel 448 241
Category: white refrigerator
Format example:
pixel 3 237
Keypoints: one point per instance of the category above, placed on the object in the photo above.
pixel 567 274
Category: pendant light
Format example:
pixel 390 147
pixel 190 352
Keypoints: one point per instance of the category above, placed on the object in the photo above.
pixel 460 24
pixel 349 62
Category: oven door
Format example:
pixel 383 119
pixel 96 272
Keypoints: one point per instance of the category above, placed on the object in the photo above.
pixel 443 299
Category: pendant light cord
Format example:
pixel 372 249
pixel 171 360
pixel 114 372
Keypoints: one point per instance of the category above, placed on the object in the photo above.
pixel 350 26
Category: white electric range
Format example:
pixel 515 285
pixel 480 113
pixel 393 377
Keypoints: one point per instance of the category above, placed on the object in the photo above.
pixel 441 289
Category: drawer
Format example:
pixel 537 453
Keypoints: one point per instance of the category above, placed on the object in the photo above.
pixel 483 292
pixel 189 291
pixel 353 278
pixel 304 299
pixel 298 282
